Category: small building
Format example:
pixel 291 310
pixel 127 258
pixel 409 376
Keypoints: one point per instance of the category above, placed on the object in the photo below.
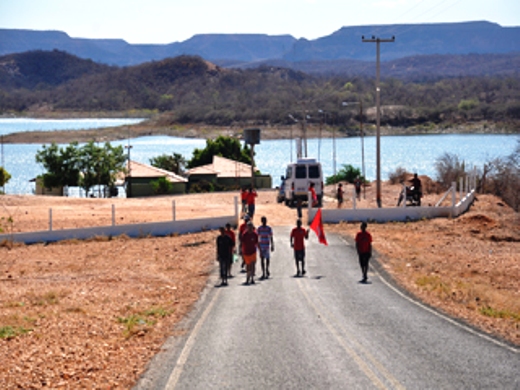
pixel 228 173
pixel 140 177
pixel 40 189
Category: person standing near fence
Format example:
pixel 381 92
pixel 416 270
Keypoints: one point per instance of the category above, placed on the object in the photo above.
pixel 266 245
pixel 251 198
pixel 243 198
pixel 339 195
pixel 224 251
pixel 364 250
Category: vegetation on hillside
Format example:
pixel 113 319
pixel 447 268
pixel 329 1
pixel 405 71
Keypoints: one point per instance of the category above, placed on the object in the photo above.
pixel 191 90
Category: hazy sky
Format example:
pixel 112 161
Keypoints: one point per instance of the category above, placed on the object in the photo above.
pixel 166 21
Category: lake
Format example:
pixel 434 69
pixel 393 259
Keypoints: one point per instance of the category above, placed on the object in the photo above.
pixel 414 153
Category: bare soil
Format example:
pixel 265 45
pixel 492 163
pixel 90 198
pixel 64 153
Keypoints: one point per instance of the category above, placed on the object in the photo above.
pixel 91 314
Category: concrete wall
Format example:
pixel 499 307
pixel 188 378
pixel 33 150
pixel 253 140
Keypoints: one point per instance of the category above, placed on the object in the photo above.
pixel 154 229
pixel 393 214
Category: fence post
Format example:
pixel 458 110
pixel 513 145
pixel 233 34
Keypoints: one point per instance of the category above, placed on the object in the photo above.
pixel 113 215
pixel 236 209
pixel 453 197
pixel 50 219
pixel 174 211
pixel 404 196
pixel 461 187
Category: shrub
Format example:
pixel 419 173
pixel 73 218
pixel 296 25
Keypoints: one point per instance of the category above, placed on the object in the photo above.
pixel 449 169
pixel 348 173
pixel 161 186
pixel 400 175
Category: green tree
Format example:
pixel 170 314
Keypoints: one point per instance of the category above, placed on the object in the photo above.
pixel 174 163
pixel 100 165
pixel 348 173
pixel 61 165
pixel 4 176
pixel 227 147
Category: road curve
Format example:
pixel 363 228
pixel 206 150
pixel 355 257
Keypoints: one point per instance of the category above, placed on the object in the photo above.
pixel 326 330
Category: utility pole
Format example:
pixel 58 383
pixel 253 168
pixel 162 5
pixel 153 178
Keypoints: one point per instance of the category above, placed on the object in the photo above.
pixel 378 111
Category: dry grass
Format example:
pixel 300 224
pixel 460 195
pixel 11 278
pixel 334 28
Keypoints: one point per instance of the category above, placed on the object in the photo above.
pixel 87 314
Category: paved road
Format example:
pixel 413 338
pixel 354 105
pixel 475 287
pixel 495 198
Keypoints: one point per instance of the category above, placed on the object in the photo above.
pixel 326 331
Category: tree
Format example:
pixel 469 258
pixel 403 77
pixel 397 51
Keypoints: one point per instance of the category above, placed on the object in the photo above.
pixel 87 166
pixel 61 165
pixel 4 176
pixel 100 165
pixel 348 173
pixel 227 147
pixel 174 163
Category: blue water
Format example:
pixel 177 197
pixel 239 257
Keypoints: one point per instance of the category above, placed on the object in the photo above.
pixel 17 125
pixel 414 153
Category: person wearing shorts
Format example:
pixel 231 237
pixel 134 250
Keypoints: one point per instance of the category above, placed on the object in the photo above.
pixel 298 237
pixel 249 248
pixel 266 245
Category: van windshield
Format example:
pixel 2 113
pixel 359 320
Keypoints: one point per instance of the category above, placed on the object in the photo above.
pixel 301 172
pixel 314 172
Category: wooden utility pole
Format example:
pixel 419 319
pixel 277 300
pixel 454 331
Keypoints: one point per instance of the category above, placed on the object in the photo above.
pixel 378 111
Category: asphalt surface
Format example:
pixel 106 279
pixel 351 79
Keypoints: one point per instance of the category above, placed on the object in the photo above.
pixel 325 331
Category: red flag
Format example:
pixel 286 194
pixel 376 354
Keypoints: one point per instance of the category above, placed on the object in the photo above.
pixel 317 226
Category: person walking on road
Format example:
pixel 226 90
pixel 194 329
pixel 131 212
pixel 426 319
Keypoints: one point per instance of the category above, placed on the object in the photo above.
pixel 298 237
pixel 224 250
pixel 241 230
pixel 251 197
pixel 231 235
pixel 364 249
pixel 266 245
pixel 249 248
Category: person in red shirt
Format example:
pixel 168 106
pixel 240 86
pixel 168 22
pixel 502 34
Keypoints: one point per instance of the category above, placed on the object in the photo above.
pixel 243 198
pixel 231 235
pixel 251 195
pixel 364 249
pixel 249 248
pixel 298 237
pixel 241 230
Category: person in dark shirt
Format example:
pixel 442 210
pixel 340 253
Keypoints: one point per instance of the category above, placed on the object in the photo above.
pixel 224 248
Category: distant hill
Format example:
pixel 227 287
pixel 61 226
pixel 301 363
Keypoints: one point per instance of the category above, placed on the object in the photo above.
pixel 414 39
pixel 189 89
pixel 410 40
pixel 416 68
pixel 43 69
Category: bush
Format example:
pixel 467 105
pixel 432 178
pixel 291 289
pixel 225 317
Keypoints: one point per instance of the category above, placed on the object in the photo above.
pixel 161 186
pixel 501 177
pixel 398 176
pixel 348 173
pixel 449 169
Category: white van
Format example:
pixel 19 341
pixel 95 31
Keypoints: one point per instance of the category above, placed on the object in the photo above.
pixel 299 176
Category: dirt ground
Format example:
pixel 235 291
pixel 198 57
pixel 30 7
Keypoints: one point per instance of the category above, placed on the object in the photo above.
pixel 91 314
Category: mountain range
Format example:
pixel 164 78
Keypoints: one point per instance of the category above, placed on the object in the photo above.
pixel 246 50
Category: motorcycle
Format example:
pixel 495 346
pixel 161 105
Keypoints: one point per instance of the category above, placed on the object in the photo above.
pixel 413 197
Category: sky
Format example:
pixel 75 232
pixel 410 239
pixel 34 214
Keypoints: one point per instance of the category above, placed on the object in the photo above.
pixel 167 21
